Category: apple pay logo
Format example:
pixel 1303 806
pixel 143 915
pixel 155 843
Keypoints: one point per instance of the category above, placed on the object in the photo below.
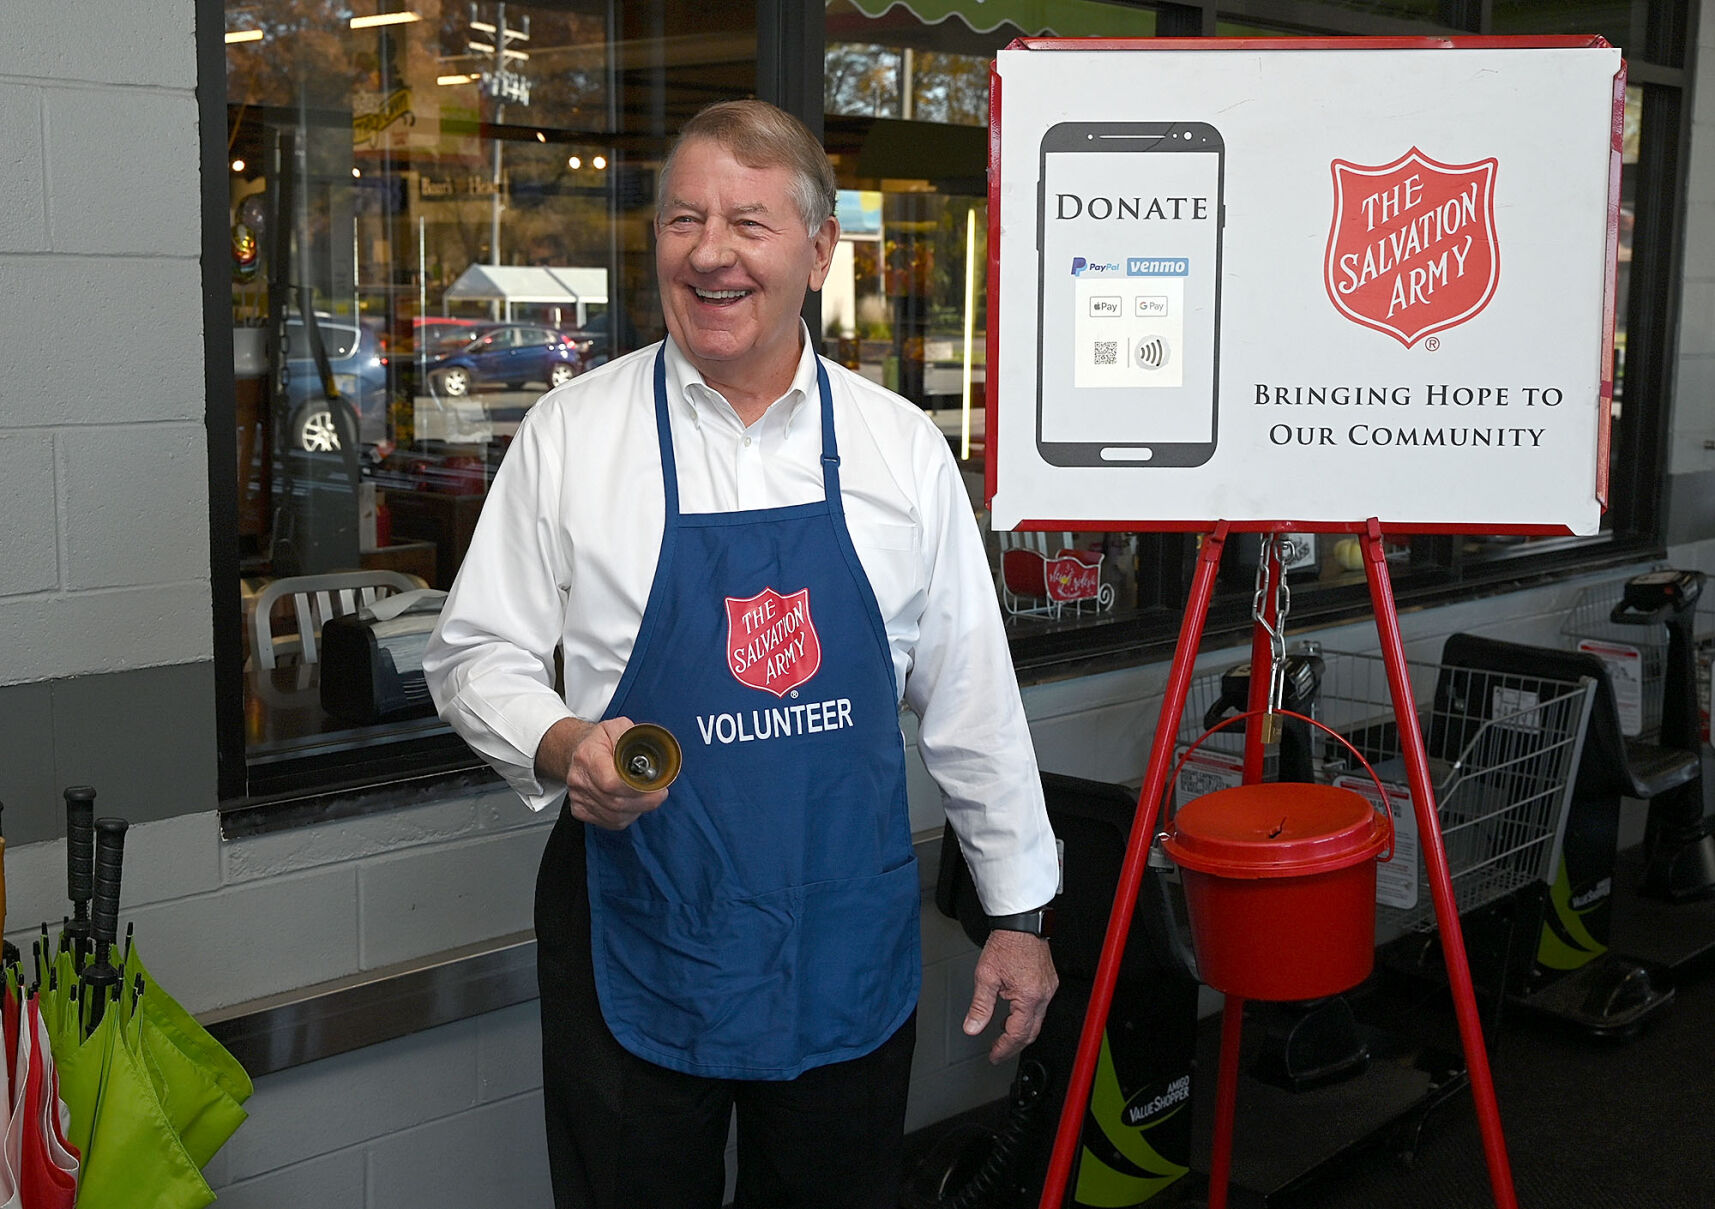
pixel 1105 307
pixel 1152 306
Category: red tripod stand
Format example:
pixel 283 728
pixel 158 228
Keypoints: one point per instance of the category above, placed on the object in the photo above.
pixel 1143 830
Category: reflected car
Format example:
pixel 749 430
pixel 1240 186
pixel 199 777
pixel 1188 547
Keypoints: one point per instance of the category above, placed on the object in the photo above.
pixel 443 333
pixel 513 355
pixel 359 369
pixel 594 342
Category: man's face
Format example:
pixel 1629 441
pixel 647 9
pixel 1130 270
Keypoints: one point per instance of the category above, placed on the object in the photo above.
pixel 734 260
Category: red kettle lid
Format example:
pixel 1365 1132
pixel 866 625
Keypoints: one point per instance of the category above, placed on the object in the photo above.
pixel 1276 830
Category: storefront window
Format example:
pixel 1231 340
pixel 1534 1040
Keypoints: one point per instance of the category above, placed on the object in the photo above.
pixel 1616 20
pixel 439 209
pixel 438 212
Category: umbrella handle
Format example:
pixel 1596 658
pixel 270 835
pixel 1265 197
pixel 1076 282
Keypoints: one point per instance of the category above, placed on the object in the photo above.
pixel 8 950
pixel 80 846
pixel 109 859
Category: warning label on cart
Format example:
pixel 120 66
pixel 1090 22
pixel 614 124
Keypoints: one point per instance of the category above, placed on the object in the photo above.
pixel 1396 880
pixel 1626 673
pixel 1206 772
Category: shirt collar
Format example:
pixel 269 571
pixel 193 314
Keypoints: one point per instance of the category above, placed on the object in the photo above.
pixel 685 386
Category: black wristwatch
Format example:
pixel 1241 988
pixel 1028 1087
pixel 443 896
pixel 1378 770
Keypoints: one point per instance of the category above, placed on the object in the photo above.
pixel 1039 922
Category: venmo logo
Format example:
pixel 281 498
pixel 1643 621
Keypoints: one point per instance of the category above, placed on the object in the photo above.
pixel 1162 266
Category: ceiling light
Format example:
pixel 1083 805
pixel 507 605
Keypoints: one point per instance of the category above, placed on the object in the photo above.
pixel 574 162
pixel 599 161
pixel 458 79
pixel 243 35
pixel 384 19
pixel 238 165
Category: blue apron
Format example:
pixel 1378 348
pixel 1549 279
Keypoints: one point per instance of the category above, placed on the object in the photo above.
pixel 764 920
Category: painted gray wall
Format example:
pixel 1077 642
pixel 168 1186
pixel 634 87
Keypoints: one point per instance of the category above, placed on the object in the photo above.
pixel 104 605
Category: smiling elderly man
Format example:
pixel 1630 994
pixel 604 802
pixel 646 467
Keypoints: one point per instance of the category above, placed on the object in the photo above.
pixel 730 537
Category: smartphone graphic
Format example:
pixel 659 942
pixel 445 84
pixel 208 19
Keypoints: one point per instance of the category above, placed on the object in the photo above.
pixel 1128 235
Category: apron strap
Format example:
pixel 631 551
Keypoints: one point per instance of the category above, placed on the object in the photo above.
pixel 664 436
pixel 830 447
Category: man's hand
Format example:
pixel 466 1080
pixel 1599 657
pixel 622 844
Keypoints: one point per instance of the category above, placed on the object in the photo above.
pixel 1014 966
pixel 583 754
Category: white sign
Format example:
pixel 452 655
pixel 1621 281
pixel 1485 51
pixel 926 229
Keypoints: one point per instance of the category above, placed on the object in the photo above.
pixel 1206 772
pixel 1396 879
pixel 1308 284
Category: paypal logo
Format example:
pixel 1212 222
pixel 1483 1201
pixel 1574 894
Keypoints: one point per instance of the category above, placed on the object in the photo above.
pixel 1080 266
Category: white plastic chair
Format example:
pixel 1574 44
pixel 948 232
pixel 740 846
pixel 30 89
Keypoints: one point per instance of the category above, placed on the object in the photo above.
pixel 315 598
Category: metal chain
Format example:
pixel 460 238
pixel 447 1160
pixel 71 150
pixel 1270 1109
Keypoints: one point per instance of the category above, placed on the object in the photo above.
pixel 1272 548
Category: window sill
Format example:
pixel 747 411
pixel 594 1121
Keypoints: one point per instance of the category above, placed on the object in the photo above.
pixel 262 814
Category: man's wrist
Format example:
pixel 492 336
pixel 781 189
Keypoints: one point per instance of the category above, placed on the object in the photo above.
pixel 1039 922
pixel 554 753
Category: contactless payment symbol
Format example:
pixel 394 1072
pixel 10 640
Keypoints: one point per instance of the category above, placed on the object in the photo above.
pixel 1412 247
pixel 771 642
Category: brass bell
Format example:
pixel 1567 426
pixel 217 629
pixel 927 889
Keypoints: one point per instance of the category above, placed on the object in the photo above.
pixel 647 757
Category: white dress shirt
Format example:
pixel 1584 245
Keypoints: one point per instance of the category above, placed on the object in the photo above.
pixel 565 551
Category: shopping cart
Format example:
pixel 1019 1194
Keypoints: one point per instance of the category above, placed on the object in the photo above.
pixel 1637 655
pixel 1502 750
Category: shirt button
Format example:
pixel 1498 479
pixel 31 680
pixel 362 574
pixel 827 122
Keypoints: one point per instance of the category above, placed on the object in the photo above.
pixel 747 442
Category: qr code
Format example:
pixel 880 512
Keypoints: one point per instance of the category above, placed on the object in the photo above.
pixel 1107 352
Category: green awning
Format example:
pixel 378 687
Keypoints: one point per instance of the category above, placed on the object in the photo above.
pixel 1065 18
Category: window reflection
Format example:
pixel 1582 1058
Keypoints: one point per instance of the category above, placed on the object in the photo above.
pixel 906 119
pixel 437 216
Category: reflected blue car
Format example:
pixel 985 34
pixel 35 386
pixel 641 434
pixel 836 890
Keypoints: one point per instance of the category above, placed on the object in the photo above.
pixel 359 372
pixel 513 355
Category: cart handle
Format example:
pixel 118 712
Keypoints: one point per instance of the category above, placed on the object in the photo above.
pixel 1381 792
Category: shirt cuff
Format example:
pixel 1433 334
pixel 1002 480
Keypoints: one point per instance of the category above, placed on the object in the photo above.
pixel 509 743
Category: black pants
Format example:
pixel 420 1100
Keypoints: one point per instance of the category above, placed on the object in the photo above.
pixel 624 1133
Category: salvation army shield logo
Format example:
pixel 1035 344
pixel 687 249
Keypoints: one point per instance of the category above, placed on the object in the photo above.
pixel 771 642
pixel 1412 248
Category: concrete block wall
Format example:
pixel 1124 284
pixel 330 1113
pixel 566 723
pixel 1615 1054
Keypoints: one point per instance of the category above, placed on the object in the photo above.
pixel 104 552
pixel 103 464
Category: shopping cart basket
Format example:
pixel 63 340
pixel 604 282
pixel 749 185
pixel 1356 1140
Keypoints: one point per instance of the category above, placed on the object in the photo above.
pixel 1637 655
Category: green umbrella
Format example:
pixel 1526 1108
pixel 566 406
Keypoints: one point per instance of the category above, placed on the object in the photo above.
pixel 82 1063
pixel 134 1158
pixel 201 1086
pixel 150 1095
